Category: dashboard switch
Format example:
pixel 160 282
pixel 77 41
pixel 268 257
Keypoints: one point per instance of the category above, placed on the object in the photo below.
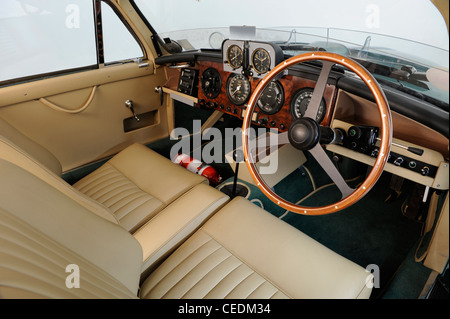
pixel 355 132
pixel 263 121
pixel 399 161
pixel 374 153
pixel 425 171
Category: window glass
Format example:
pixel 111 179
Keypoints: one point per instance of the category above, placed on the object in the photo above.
pixel 43 36
pixel 118 43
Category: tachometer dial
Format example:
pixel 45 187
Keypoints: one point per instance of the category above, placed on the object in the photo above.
pixel 211 83
pixel 235 56
pixel 272 98
pixel 300 102
pixel 238 89
pixel 261 61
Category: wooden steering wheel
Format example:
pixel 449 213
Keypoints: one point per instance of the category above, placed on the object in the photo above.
pixel 304 133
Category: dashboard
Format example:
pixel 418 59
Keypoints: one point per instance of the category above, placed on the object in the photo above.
pixel 224 81
pixel 227 85
pixel 282 101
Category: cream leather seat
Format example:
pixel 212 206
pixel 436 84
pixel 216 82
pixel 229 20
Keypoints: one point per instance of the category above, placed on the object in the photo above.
pixel 131 189
pixel 135 184
pixel 241 252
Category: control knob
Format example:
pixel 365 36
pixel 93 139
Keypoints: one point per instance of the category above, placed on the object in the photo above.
pixel 398 161
pixel 425 171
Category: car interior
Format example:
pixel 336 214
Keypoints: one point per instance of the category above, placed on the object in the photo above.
pixel 325 181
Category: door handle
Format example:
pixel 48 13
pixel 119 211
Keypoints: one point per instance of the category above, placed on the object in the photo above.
pixel 159 90
pixel 129 104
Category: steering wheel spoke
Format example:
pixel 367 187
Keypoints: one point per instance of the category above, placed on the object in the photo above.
pixel 324 161
pixel 314 103
pixel 283 138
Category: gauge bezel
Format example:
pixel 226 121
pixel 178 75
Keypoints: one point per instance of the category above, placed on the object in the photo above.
pixel 267 54
pixel 227 88
pixel 217 74
pixel 278 105
pixel 296 96
pixel 235 66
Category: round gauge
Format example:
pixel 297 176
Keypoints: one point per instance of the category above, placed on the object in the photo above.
pixel 272 98
pixel 238 89
pixel 235 56
pixel 261 61
pixel 300 102
pixel 211 83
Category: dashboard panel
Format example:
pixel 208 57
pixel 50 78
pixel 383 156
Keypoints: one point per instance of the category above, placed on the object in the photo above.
pixel 274 106
pixel 226 87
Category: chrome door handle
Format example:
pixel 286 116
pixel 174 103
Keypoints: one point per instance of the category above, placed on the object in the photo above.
pixel 159 90
pixel 129 104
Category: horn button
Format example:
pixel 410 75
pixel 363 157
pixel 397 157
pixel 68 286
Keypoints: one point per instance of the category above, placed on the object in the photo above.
pixel 304 133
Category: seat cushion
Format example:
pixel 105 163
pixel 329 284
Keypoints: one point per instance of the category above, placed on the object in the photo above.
pixel 136 184
pixel 245 252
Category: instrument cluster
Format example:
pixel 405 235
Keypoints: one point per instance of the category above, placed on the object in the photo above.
pixel 250 58
pixel 227 86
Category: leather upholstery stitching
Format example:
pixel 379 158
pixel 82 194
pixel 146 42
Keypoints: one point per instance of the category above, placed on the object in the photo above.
pixel 178 264
pixel 242 280
pixel 248 265
pixel 186 275
pixel 225 277
pixel 84 185
pixel 206 273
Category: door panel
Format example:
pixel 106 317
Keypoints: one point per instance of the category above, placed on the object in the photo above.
pixel 97 132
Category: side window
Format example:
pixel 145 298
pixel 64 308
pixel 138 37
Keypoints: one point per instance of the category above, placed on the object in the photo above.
pixel 41 36
pixel 118 43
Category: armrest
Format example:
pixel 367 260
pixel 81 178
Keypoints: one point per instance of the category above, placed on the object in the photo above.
pixel 173 225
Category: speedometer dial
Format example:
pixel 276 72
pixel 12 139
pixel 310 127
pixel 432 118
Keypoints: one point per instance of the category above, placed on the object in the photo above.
pixel 300 102
pixel 272 98
pixel 235 56
pixel 261 61
pixel 238 89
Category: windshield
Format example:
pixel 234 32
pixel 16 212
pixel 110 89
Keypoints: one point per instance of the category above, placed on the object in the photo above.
pixel 403 42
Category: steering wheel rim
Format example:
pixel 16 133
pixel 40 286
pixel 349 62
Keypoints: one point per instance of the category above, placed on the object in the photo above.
pixel 386 131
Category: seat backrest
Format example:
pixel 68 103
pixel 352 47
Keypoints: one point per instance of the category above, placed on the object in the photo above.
pixel 27 154
pixel 47 240
pixel 9 133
